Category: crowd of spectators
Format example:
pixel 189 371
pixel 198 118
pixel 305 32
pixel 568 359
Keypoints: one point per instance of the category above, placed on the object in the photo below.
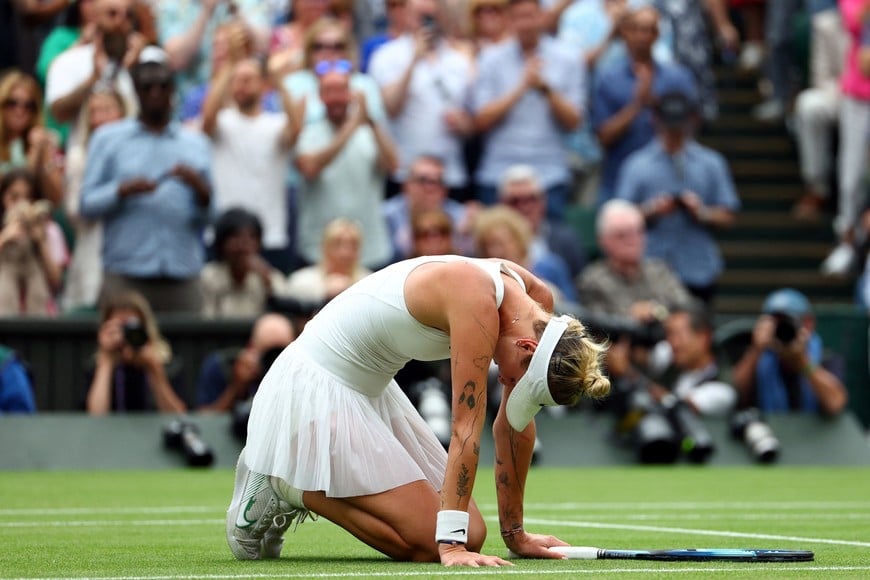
pixel 209 157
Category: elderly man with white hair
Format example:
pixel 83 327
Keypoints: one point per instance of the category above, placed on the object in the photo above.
pixel 521 189
pixel 624 282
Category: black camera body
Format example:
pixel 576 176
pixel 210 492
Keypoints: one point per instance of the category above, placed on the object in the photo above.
pixel 661 431
pixel 135 334
pixel 615 327
pixel 749 426
pixel 183 436
pixel 787 327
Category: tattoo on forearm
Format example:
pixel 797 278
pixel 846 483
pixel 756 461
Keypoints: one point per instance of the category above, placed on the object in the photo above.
pixel 477 449
pixel 463 481
pixel 482 362
pixel 467 395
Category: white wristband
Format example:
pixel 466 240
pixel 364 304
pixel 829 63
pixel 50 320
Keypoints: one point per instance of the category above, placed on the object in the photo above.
pixel 452 527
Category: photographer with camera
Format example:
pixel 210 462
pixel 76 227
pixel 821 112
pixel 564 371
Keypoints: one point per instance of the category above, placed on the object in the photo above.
pixel 232 375
pixel 133 362
pixel 685 191
pixel 782 370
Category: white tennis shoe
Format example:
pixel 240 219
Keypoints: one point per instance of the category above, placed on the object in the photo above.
pixel 257 518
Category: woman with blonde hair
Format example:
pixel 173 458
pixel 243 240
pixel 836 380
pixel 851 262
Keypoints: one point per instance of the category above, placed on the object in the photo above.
pixel 131 364
pixel 338 269
pixel 502 232
pixel 24 142
pixel 329 412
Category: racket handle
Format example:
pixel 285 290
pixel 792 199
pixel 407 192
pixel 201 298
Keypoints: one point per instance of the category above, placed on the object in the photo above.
pixel 577 552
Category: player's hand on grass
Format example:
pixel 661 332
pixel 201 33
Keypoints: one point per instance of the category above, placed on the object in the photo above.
pixel 458 556
pixel 535 545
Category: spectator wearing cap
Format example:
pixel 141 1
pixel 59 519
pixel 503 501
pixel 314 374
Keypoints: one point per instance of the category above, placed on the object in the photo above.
pixel 147 178
pixel 343 160
pixel 520 188
pixel 623 92
pixel 685 191
pixel 528 96
pixel 782 370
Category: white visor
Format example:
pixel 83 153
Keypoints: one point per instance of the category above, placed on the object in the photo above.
pixel 532 391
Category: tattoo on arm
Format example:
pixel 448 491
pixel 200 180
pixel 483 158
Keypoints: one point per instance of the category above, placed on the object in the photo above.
pixel 462 483
pixel 467 395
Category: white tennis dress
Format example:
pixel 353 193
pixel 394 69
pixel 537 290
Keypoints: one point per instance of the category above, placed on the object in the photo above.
pixel 329 416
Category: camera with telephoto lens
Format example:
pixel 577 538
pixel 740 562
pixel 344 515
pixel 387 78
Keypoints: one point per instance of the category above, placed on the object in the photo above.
pixel 135 334
pixel 748 426
pixel 787 326
pixel 660 431
pixel 615 327
pixel 183 436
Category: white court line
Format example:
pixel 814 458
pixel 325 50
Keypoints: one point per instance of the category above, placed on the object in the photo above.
pixel 769 516
pixel 692 531
pixel 767 568
pixel 179 509
pixel 693 505
pixel 98 523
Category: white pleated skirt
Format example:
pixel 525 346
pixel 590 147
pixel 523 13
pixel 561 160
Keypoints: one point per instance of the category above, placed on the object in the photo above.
pixel 311 429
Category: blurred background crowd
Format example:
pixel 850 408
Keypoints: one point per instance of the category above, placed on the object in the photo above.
pixel 233 158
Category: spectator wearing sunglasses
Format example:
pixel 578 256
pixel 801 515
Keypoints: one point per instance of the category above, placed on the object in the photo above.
pixel 24 142
pixel 343 161
pixel 329 40
pixel 251 149
pixel 424 190
pixel 426 85
pixel 521 190
pixel 148 179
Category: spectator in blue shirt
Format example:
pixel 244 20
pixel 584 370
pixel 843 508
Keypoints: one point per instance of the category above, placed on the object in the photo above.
pixel 148 180
pixel 782 370
pixel 684 190
pixel 528 96
pixel 16 390
pixel 623 92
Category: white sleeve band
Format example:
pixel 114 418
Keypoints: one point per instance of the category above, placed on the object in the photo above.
pixel 452 526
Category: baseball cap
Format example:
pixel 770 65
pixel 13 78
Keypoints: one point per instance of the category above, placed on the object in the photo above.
pixel 532 391
pixel 153 54
pixel 674 109
pixel 787 300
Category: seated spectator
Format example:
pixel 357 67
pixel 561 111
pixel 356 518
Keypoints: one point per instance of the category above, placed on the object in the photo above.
pixel 521 190
pixel 685 191
pixel 432 232
pixel 239 282
pixel 24 142
pixel 33 252
pixel 782 370
pixel 16 384
pixel 343 160
pixel 501 232
pixel 778 70
pixel 85 275
pixel 528 95
pixel 623 92
pixel 148 179
pixel 251 151
pixel 426 83
pixel 817 111
pixel 232 375
pixel 339 266
pixel 132 367
pixel 624 282
pixel 287 42
pixel 423 190
pixel 329 40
